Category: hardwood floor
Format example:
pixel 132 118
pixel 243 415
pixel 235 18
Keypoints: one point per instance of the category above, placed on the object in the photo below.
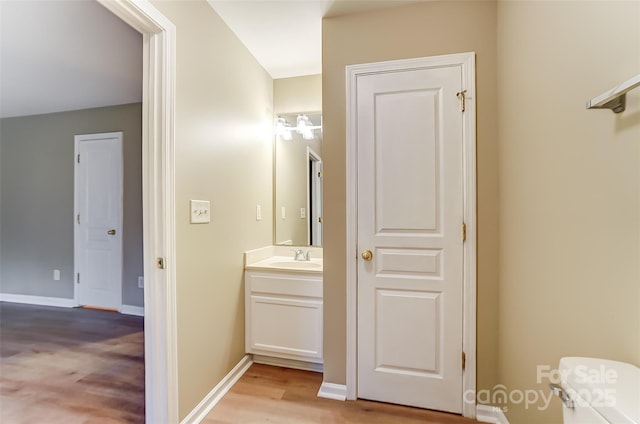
pixel 78 366
pixel 62 365
pixel 266 394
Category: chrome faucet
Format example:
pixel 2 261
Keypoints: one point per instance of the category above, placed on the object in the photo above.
pixel 300 255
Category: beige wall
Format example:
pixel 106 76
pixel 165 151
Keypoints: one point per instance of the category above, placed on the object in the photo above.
pixel 297 94
pixel 569 190
pixel 223 153
pixel 426 29
pixel 37 199
pixel 565 211
pixel 292 96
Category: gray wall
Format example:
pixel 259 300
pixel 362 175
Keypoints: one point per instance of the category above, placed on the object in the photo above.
pixel 36 180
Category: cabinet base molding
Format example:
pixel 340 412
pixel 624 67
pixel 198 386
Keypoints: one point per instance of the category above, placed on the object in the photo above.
pixel 287 363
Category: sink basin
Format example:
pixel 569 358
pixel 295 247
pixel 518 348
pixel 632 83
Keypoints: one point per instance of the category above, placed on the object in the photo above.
pixel 296 264
pixel 286 264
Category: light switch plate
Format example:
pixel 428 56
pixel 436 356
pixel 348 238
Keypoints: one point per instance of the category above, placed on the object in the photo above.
pixel 200 211
pixel 258 212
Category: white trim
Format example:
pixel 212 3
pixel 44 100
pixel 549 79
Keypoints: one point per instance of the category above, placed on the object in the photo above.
pixel 333 391
pixel 61 302
pixel 466 61
pixel 38 300
pixel 215 395
pixel 468 65
pixel 158 188
pixel 352 235
pixel 132 310
pixel 287 363
pixel 490 414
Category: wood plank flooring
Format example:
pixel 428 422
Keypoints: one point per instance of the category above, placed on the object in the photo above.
pixel 266 394
pixel 79 366
pixel 70 365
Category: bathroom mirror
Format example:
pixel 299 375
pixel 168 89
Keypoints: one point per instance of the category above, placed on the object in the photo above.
pixel 298 179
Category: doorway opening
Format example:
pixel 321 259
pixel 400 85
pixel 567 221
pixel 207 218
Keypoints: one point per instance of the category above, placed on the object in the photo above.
pixel 314 197
pixel 158 99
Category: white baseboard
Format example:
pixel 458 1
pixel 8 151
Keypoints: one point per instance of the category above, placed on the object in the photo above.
pixel 287 363
pixel 333 391
pixel 490 414
pixel 38 300
pixel 213 397
pixel 132 310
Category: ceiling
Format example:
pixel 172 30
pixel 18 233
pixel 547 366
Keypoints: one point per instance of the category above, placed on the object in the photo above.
pixel 67 55
pixel 285 36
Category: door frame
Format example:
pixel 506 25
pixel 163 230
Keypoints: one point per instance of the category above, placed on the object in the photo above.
pixel 466 62
pixel 158 210
pixel 78 138
pixel 313 187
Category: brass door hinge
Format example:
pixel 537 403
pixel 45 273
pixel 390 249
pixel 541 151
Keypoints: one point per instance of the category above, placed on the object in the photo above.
pixel 161 263
pixel 78 278
pixel 462 96
pixel 78 218
pixel 464 232
pixel 78 158
pixel 464 361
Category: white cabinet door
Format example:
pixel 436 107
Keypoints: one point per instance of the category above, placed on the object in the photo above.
pixel 284 316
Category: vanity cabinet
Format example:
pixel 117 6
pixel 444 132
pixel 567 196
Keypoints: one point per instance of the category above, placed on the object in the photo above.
pixel 283 315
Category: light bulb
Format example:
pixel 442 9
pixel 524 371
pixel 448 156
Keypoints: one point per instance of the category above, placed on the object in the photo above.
pixel 280 126
pixel 307 133
pixel 301 124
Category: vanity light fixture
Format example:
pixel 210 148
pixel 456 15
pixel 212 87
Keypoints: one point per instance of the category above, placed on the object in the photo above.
pixel 283 129
pixel 304 127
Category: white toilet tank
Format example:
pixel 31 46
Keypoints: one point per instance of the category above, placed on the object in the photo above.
pixel 599 391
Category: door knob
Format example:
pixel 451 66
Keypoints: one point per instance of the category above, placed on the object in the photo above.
pixel 367 255
pixel 111 232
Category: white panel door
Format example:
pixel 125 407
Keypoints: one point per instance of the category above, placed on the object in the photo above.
pixel 98 235
pixel 410 215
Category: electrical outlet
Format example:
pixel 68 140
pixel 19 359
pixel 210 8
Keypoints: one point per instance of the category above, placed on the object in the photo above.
pixel 303 213
pixel 140 282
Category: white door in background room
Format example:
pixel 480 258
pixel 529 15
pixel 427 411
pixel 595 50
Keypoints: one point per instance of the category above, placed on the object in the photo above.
pixel 409 127
pixel 98 220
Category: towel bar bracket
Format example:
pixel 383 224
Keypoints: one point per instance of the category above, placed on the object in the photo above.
pixel 617 104
pixel 616 98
